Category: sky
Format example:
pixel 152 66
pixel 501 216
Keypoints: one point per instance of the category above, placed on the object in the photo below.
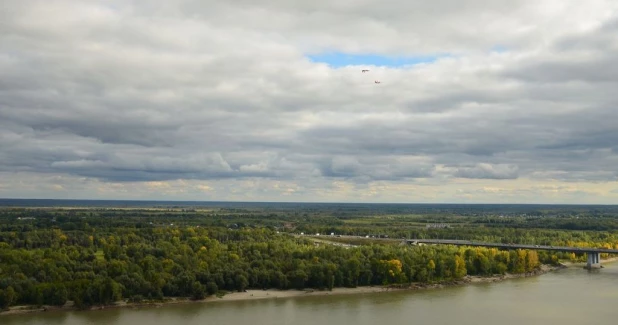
pixel 264 100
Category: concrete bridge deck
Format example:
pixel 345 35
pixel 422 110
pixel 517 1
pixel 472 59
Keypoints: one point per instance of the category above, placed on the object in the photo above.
pixel 593 260
pixel 514 246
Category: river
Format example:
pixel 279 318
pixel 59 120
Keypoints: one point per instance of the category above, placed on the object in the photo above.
pixel 567 296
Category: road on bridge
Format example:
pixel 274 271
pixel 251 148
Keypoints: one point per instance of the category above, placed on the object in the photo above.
pixel 485 244
pixel 514 246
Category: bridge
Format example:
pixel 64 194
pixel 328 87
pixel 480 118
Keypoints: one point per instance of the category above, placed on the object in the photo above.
pixel 593 261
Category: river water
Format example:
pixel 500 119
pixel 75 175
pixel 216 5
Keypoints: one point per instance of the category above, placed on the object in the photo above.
pixel 568 296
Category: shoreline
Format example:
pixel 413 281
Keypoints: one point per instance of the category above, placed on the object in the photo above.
pixel 257 294
pixel 582 264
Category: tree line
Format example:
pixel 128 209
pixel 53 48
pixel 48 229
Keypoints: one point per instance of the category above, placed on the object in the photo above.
pixel 49 267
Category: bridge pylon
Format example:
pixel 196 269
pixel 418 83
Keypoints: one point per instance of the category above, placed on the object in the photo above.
pixel 593 261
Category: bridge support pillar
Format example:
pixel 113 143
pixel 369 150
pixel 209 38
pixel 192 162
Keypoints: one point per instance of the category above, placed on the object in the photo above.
pixel 594 260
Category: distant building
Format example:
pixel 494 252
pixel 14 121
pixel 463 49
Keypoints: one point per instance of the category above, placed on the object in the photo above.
pixel 437 225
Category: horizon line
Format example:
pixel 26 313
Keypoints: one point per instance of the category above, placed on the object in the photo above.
pixel 308 202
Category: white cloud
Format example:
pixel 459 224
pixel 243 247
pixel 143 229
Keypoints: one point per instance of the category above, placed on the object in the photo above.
pixel 106 97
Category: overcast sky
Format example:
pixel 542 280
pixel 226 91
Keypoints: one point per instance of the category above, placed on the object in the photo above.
pixel 264 100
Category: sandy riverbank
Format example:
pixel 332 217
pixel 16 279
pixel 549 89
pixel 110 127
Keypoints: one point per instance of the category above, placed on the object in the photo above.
pixel 276 294
pixel 582 264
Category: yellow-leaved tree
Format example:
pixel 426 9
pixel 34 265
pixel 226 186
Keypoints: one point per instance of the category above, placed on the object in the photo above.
pixel 460 267
pixel 392 271
pixel 532 261
pixel 431 268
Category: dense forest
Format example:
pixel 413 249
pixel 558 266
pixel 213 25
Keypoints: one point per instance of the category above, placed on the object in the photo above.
pixel 49 256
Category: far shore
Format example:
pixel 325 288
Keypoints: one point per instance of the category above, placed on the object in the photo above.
pixel 278 294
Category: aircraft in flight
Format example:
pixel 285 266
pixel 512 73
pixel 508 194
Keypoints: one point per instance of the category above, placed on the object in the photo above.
pixel 367 70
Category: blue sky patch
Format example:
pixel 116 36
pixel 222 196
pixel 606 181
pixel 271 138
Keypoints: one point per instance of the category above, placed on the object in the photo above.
pixel 499 49
pixel 337 59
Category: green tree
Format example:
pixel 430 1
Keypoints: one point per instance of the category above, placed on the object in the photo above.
pixel 197 291
pixel 211 288
pixel 7 297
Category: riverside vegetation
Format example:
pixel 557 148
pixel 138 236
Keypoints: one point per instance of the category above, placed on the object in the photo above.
pixel 97 256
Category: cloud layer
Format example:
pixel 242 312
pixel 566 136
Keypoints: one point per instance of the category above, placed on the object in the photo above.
pixel 221 100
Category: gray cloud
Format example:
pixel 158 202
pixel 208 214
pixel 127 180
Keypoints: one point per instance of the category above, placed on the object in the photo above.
pixel 371 169
pixel 205 90
pixel 487 171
